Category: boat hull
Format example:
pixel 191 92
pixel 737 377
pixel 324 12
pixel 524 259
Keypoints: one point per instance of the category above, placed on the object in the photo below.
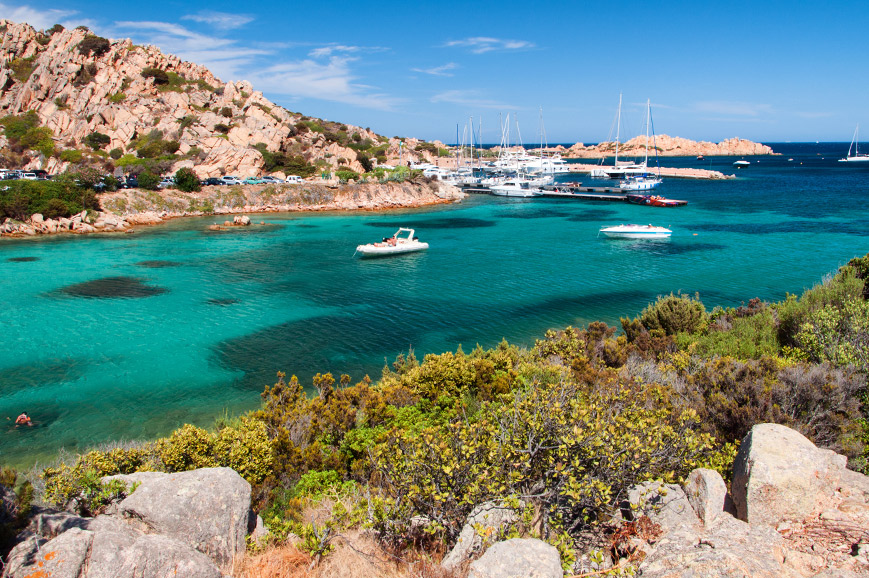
pixel 374 250
pixel 636 232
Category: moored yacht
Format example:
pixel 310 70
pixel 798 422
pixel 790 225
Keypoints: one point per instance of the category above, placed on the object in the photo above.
pixel 857 156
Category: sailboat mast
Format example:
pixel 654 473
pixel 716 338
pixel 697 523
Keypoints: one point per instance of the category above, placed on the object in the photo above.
pixel 618 127
pixel 648 117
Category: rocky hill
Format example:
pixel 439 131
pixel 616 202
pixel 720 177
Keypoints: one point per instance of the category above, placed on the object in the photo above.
pixel 112 103
pixel 671 147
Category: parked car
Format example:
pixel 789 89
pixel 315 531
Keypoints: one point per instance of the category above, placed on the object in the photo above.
pixel 212 181
pixel 294 179
pixel 253 181
pixel 271 179
pixel 166 183
pixel 29 176
pixel 130 182
pixel 230 180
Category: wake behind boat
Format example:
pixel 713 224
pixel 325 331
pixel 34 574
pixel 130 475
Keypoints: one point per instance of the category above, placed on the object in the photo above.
pixel 636 232
pixel 401 242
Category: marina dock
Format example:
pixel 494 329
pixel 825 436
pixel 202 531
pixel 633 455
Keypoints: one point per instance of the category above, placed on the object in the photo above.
pixel 580 193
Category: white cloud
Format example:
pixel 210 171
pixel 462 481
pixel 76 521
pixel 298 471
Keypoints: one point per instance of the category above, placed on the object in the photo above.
pixel 325 81
pixel 221 55
pixel 332 49
pixel 438 70
pixel 220 20
pixel 483 44
pixel 734 108
pixel 43 19
pixel 470 98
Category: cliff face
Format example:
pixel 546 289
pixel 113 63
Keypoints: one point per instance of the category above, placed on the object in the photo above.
pixel 216 124
pixel 671 147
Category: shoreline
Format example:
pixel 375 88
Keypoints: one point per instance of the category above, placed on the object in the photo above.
pixel 124 210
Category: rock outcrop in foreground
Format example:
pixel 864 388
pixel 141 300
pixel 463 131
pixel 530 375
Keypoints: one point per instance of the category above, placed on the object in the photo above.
pixel 187 524
pixel 795 512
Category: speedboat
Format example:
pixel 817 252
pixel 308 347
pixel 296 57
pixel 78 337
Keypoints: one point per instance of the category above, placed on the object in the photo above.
pixel 654 201
pixel 402 241
pixel 636 232
pixel 741 164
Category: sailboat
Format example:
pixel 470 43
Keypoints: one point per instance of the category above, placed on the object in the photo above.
pixel 644 181
pixel 857 157
pixel 619 169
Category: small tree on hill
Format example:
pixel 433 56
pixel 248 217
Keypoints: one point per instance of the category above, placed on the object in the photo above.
pixel 93 45
pixel 159 76
pixel 149 181
pixel 97 140
pixel 186 180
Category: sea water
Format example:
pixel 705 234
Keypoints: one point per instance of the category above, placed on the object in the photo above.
pixel 126 337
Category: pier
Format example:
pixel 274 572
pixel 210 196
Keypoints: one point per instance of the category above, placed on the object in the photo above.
pixel 674 172
pixel 577 192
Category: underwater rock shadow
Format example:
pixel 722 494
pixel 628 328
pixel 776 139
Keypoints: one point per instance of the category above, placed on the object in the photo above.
pixel 120 287
pixel 158 264
pixel 22 259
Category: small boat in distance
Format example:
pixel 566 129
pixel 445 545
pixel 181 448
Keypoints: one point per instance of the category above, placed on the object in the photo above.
pixel 741 164
pixel 402 241
pixel 636 232
pixel 857 157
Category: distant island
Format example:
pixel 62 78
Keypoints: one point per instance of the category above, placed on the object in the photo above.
pixel 667 146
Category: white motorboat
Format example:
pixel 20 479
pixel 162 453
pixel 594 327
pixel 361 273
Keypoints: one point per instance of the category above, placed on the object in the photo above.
pixel 636 232
pixel 515 188
pixel 639 183
pixel 857 156
pixel 402 241
pixel 741 164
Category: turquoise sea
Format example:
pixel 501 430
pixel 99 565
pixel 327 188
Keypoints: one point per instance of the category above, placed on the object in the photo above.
pixel 129 336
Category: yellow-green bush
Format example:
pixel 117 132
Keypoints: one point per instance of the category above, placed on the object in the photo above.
pixel 187 448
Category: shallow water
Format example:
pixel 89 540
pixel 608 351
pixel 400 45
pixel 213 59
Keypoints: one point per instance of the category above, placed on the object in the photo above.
pixel 129 336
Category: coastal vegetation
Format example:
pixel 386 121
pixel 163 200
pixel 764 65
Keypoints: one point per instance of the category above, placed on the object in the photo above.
pixel 61 197
pixel 559 431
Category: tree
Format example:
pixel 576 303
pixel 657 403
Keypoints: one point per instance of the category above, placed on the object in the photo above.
pixel 97 140
pixel 148 180
pixel 159 76
pixel 92 44
pixel 186 180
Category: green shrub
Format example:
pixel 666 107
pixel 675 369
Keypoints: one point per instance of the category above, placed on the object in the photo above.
pixel 675 314
pixel 20 199
pixel 39 139
pixel 116 153
pixel 15 127
pixel 345 176
pixel 226 112
pixel 22 68
pixel 187 181
pixel 221 128
pixel 187 448
pixel 148 181
pixel 93 45
pixel 160 76
pixel 117 98
pixel 97 140
pixel 187 121
pixel 750 337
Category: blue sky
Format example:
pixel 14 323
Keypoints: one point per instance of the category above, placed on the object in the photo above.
pixel 766 71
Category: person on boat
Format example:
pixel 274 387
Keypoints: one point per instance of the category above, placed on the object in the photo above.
pixel 23 419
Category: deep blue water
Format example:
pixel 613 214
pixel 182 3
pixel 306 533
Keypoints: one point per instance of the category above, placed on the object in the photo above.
pixel 129 336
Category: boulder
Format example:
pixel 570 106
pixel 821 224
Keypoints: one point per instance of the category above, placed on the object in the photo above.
pixel 706 492
pixel 207 509
pixel 525 557
pixel 162 556
pixel 665 504
pixel 37 218
pixel 488 517
pixel 780 475
pixel 63 557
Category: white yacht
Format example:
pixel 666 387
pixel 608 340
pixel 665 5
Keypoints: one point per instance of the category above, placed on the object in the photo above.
pixel 639 183
pixel 636 232
pixel 402 241
pixel 515 188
